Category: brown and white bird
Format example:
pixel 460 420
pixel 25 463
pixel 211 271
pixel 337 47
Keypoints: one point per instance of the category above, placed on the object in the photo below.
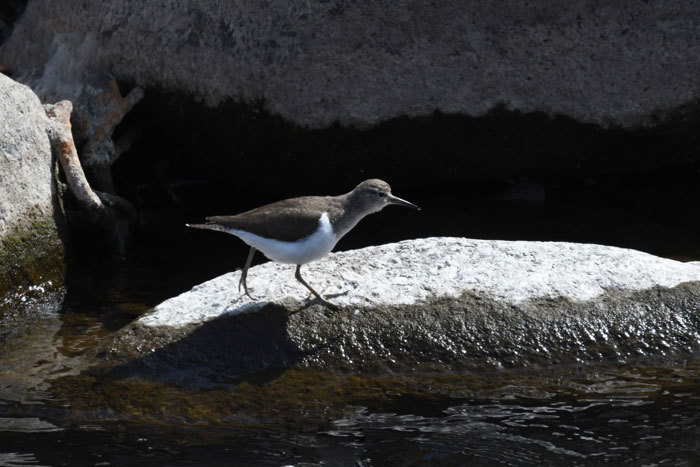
pixel 301 230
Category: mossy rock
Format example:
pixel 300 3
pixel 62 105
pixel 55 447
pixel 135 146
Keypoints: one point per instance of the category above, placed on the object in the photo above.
pixel 32 265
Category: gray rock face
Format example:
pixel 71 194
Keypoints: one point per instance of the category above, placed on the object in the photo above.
pixel 430 304
pixel 25 156
pixel 30 249
pixel 364 62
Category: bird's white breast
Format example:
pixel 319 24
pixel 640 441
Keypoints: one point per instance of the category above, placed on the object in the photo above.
pixel 307 249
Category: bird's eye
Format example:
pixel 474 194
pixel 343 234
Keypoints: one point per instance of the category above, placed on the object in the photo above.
pixel 381 194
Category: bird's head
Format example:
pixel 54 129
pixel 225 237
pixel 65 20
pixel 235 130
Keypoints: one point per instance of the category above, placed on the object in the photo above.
pixel 374 195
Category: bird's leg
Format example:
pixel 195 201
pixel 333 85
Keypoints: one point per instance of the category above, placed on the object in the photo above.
pixel 244 273
pixel 298 277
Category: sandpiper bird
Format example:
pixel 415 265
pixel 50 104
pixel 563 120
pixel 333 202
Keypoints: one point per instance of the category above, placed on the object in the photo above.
pixel 301 230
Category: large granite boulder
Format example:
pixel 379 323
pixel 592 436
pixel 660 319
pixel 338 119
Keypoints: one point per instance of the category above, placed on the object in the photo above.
pixel 31 252
pixel 362 62
pixel 431 304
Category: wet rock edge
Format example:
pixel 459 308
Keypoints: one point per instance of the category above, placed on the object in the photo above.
pixel 32 271
pixel 471 333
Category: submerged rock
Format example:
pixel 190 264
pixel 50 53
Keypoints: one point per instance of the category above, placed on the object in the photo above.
pixel 427 304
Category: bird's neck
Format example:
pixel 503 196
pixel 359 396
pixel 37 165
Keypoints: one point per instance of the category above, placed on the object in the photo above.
pixel 350 214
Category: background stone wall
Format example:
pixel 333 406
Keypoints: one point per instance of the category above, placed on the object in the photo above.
pixel 363 62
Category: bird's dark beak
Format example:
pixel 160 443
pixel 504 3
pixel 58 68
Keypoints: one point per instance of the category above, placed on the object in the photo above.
pixel 401 202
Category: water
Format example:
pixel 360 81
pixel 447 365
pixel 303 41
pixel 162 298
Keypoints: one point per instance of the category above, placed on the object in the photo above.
pixel 638 415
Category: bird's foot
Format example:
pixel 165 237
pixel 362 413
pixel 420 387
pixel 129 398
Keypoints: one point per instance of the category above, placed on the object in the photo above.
pixel 249 295
pixel 324 302
pixel 246 290
pixel 313 297
pixel 318 296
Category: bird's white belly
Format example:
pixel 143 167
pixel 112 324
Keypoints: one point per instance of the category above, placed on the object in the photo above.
pixel 307 249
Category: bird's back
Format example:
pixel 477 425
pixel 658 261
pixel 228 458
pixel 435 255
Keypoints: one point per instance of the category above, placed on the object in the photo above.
pixel 287 220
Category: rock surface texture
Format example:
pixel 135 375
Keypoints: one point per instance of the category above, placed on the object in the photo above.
pixel 25 155
pixel 30 249
pixel 429 304
pixel 363 62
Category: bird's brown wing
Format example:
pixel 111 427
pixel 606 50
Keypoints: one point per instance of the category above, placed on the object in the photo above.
pixel 287 220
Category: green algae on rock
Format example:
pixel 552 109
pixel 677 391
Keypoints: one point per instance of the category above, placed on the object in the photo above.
pixel 31 255
pixel 32 269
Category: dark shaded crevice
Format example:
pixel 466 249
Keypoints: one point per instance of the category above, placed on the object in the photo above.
pixel 243 146
pixel 490 176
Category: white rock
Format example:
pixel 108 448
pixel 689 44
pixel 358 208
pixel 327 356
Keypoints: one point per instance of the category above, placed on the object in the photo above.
pixel 412 271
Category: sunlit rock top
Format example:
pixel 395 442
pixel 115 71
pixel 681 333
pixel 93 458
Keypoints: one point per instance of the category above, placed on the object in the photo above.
pixel 423 270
